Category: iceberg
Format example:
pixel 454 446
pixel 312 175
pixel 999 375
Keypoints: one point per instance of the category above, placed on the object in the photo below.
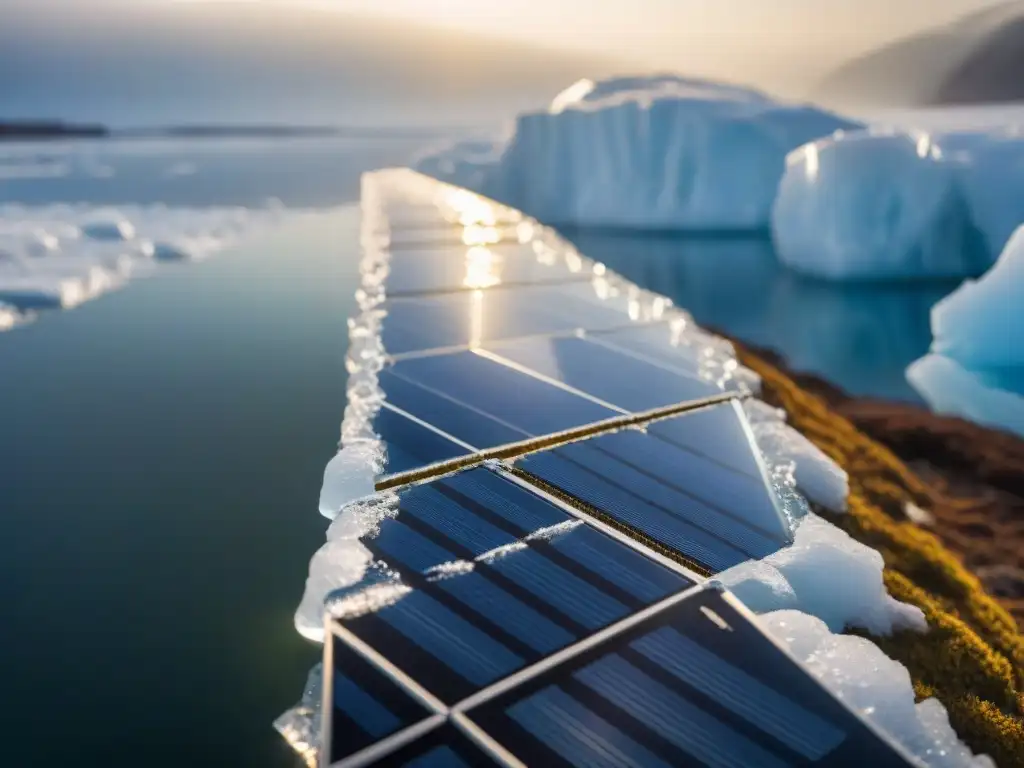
pixel 660 153
pixel 993 184
pixel 976 365
pixel 868 205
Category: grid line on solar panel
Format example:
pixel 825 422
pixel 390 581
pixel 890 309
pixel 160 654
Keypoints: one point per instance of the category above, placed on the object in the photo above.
pixel 695 484
pixel 530 445
pixel 619 381
pixel 643 696
pixel 438 351
pixel 496 578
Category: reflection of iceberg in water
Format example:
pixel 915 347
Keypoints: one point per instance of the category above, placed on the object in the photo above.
pixel 861 337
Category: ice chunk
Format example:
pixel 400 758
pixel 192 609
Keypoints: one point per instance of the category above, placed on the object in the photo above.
pixel 830 576
pixel 660 153
pixel 9 317
pixel 57 256
pixel 300 725
pixel 993 184
pixel 973 325
pixel 335 565
pixel 875 686
pixel 113 229
pixel 350 475
pixel 978 396
pixel 869 206
pixel 819 478
pixel 976 365
pixel 343 561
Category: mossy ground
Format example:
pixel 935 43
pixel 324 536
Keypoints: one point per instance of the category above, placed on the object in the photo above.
pixel 972 659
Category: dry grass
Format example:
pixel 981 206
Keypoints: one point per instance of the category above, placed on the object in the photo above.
pixel 972 659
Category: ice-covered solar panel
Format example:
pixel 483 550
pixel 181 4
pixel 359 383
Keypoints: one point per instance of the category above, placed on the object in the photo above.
pixel 697 684
pixel 628 382
pixel 447 268
pixel 483 402
pixel 485 577
pixel 364 704
pixel 695 483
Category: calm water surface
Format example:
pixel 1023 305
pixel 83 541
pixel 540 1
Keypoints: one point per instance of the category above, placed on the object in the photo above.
pixel 162 447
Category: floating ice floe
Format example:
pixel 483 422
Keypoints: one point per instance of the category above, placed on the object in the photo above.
pixel 58 256
pixel 875 206
pixel 662 153
pixel 875 686
pixel 976 365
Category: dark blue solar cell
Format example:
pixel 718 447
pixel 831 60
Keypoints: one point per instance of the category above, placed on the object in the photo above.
pixel 658 341
pixel 623 505
pixel 714 513
pixel 696 684
pixel 444 747
pixel 576 598
pixel 450 639
pixel 453 418
pixel 460 267
pixel 515 617
pixel 475 317
pixel 516 399
pixel 411 445
pixel 627 569
pixel 721 433
pixel 366 704
pixel 490 560
pixel 623 380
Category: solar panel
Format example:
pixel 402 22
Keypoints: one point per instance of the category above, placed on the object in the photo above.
pixel 541 616
pixel 489 577
pixel 470 318
pixel 694 483
pixel 692 681
pixel 482 402
pixel 365 704
pixel 696 684
pixel 410 444
pixel 623 380
pixel 447 268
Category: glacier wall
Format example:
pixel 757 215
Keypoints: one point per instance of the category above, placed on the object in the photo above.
pixel 658 153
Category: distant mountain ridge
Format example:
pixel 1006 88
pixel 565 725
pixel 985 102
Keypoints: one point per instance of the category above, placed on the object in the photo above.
pixel 128 62
pixel 976 59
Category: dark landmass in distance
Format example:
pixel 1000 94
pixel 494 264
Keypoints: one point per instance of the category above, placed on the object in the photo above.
pixel 975 60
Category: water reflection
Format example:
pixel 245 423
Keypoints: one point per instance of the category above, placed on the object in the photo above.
pixel 861 337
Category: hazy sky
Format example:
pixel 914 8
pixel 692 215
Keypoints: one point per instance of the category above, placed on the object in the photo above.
pixel 722 37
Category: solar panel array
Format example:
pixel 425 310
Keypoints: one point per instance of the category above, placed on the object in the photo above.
pixel 550 608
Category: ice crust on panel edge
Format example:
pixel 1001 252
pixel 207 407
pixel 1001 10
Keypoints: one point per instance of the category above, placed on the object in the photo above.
pixel 975 368
pixel 655 153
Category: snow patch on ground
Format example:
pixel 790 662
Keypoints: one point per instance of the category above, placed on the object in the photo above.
pixel 875 686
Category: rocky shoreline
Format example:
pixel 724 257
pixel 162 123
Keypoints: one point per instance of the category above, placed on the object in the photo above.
pixel 976 473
